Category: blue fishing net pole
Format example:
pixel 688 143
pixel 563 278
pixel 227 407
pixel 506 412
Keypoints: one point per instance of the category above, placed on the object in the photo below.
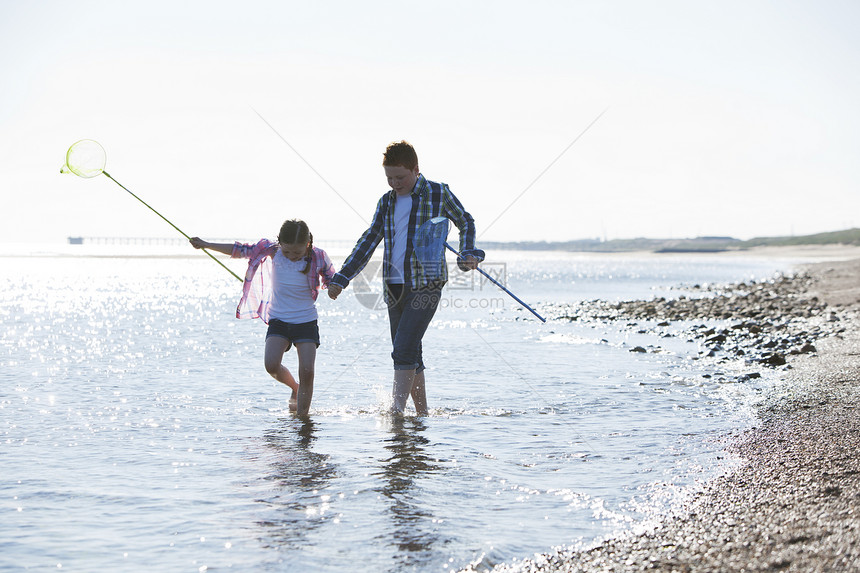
pixel 429 245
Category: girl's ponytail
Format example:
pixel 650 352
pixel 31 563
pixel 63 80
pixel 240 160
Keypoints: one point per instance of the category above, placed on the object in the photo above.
pixel 310 252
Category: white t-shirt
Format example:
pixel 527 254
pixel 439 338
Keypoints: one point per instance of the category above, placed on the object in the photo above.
pixel 402 210
pixel 291 294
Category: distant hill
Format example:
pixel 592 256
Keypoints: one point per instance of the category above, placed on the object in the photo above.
pixel 696 245
pixel 847 237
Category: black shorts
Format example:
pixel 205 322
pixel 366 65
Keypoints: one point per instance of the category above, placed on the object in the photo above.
pixel 295 333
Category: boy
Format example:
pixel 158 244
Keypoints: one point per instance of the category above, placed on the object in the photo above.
pixel 412 297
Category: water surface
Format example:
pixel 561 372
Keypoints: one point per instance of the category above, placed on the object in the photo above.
pixel 139 428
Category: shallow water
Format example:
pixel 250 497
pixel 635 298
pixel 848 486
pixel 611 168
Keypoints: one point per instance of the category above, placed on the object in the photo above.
pixel 139 428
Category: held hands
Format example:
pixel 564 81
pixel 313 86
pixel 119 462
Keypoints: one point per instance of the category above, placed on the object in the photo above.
pixel 334 290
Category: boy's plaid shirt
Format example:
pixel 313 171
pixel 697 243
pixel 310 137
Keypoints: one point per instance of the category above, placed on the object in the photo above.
pixel 429 200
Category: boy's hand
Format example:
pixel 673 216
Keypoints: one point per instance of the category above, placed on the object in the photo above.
pixel 197 242
pixel 334 290
pixel 470 262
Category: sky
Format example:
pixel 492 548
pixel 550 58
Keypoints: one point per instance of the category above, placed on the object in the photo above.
pixel 550 120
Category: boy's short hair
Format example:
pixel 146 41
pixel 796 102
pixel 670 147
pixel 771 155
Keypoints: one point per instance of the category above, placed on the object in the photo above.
pixel 400 153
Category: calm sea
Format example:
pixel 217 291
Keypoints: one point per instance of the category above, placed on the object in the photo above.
pixel 139 429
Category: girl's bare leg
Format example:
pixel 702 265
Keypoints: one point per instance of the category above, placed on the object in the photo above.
pixel 307 352
pixel 276 346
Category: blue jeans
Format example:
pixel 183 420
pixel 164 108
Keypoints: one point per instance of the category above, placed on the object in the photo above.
pixel 409 314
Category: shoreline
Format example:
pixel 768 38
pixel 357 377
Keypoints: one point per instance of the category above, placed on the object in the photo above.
pixel 794 502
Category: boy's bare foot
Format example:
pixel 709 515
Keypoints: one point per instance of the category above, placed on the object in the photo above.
pixel 293 401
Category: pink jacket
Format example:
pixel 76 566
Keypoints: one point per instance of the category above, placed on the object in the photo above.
pixel 257 288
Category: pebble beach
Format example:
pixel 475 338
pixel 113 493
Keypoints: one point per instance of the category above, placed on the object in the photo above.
pixel 793 504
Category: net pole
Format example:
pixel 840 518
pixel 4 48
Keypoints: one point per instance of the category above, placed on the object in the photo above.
pixel 169 223
pixel 500 285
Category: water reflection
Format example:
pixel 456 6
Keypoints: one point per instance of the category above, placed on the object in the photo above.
pixel 296 505
pixel 415 532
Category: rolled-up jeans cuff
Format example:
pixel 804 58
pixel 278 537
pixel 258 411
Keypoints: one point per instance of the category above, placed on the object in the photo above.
pixel 406 366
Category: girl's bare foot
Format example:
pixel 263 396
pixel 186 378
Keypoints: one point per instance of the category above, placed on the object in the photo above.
pixel 293 403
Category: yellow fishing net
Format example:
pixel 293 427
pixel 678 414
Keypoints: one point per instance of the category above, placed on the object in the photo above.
pixel 85 158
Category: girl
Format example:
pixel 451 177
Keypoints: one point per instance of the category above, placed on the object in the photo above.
pixel 281 287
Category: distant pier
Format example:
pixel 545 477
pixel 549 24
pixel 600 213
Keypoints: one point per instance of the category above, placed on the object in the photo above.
pixel 171 241
pixel 180 241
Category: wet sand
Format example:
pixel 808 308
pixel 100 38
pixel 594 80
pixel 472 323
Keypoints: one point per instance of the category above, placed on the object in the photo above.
pixel 794 502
